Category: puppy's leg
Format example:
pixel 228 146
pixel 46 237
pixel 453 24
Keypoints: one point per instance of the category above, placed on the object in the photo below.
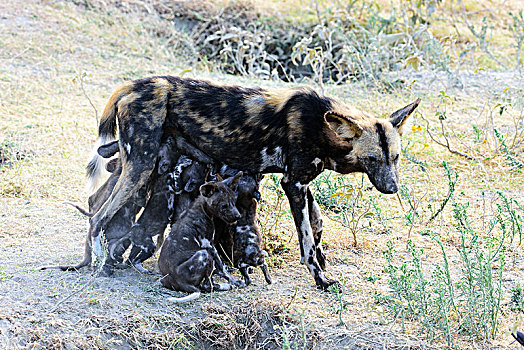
pixel 265 271
pixel 220 267
pixel 245 274
pixel 315 219
pixel 194 271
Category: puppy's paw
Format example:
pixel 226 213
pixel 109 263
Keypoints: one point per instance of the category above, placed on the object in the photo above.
pixel 238 283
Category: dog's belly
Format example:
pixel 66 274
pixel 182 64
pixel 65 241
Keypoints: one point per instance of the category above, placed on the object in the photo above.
pixel 253 155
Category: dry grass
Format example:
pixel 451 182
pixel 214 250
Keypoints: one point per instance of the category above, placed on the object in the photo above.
pixel 48 126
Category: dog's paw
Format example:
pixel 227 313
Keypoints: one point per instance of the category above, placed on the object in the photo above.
pixel 238 283
pixel 106 271
pixel 328 284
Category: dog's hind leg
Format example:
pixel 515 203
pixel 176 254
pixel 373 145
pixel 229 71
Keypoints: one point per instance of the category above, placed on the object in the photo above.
pixel 137 166
pixel 315 219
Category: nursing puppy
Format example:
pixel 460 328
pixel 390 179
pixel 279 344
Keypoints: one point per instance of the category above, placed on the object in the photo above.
pixel 155 217
pixel 246 248
pixel 119 224
pixel 187 256
pixel 240 243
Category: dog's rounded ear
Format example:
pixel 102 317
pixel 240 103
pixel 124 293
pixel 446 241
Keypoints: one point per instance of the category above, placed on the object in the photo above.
pixel 163 166
pixel 344 127
pixel 398 118
pixel 208 189
pixel 111 165
pixel 109 149
pixel 234 182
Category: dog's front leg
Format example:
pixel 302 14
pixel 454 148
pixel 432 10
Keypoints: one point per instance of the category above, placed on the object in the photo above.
pixel 219 265
pixel 298 201
pixel 315 219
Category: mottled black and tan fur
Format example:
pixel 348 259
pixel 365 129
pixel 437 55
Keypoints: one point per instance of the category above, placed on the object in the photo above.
pixel 292 131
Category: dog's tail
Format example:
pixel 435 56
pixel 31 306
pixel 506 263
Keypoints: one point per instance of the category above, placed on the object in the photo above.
pixel 96 168
pixel 190 297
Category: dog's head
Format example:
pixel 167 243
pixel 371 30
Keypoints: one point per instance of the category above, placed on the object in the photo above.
pixel 167 156
pixel 369 145
pixel 220 198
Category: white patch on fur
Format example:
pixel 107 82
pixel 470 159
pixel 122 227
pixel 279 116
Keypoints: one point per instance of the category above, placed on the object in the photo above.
pixel 301 188
pixel 185 299
pixel 224 286
pixel 242 229
pixel 316 162
pixel 274 158
pixel 100 174
pixel 307 234
pixel 185 238
pixel 206 243
pixel 98 251
pixel 252 241
pixel 128 148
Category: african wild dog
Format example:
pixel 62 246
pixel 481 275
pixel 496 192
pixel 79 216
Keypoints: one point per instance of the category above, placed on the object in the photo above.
pixel 292 131
pixel 187 256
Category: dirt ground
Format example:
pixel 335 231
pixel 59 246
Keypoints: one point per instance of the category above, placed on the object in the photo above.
pixel 56 59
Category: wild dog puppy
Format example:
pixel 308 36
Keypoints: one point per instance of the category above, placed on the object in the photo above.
pixel 187 256
pixel 245 251
pixel 291 131
pixel 187 178
pixel 119 224
pixel 155 217
pixel 240 243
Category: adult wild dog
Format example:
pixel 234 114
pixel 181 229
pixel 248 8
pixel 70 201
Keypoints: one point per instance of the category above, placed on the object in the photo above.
pixel 292 131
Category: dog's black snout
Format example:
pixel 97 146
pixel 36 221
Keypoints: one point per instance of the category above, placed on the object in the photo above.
pixel 257 196
pixel 390 188
pixel 237 215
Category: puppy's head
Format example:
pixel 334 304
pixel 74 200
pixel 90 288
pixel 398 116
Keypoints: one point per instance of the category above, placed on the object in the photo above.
pixel 220 198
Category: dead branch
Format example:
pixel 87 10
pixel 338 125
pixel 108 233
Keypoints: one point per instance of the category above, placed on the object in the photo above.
pixel 447 144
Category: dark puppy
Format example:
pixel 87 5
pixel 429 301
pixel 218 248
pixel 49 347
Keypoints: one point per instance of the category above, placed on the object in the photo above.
pixel 120 224
pixel 187 256
pixel 247 242
pixel 155 217
pixel 240 243
pixel 186 179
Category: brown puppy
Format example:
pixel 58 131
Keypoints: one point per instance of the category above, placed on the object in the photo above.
pixel 187 256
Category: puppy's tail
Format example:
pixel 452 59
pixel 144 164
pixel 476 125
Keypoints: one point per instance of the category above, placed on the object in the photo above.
pixel 190 297
pixel 80 209
pixel 106 133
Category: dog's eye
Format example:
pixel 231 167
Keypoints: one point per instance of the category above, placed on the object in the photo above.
pixel 372 158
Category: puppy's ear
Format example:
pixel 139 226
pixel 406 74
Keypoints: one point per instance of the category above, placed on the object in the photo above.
pixel 190 186
pixel 109 149
pixel 208 189
pixel 398 118
pixel 345 127
pixel 111 166
pixel 234 182
pixel 163 166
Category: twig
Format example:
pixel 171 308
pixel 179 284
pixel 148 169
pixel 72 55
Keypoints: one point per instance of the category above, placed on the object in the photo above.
pixel 73 293
pixel 81 78
pixel 446 145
